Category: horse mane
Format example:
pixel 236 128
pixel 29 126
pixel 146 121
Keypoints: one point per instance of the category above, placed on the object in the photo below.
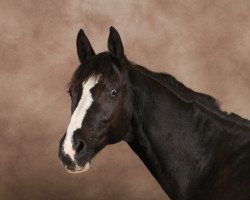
pixel 178 88
pixel 186 94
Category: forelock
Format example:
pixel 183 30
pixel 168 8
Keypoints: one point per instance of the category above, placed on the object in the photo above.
pixel 100 65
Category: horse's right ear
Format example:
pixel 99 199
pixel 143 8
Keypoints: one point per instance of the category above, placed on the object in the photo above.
pixel 84 48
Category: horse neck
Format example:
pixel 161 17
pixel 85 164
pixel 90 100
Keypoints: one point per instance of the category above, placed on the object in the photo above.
pixel 147 96
pixel 160 121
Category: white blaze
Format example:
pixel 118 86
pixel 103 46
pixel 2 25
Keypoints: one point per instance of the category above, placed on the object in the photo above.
pixel 79 114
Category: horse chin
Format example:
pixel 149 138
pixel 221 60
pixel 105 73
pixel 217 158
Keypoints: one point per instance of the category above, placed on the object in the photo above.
pixel 79 169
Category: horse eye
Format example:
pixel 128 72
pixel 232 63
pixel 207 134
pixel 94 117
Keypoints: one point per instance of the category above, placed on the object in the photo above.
pixel 114 92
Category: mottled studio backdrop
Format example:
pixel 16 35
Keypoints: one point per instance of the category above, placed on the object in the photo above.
pixel 204 43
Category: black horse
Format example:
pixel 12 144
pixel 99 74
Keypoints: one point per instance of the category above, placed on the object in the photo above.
pixel 192 148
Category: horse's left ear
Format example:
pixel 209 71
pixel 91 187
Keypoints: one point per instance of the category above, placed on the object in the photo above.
pixel 115 46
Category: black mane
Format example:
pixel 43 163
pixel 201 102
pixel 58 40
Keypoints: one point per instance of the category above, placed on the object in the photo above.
pixel 180 89
pixel 207 102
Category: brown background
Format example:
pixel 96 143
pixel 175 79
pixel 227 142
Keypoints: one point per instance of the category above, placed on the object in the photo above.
pixel 205 44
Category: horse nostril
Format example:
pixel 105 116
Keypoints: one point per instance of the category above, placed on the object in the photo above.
pixel 79 147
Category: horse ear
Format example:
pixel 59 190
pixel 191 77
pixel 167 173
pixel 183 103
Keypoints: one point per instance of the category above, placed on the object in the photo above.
pixel 84 48
pixel 115 46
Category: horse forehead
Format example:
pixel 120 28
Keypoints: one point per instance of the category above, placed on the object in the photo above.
pixel 90 82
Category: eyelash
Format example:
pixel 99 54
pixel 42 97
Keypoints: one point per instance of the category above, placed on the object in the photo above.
pixel 69 93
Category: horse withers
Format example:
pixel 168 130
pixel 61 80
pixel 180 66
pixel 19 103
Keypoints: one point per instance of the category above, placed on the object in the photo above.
pixel 192 148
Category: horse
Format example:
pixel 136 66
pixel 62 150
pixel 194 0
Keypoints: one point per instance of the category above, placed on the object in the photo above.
pixel 192 148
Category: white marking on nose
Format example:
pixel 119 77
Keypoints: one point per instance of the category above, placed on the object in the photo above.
pixel 79 114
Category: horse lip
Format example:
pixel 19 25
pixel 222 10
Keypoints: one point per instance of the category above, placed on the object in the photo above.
pixel 78 169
